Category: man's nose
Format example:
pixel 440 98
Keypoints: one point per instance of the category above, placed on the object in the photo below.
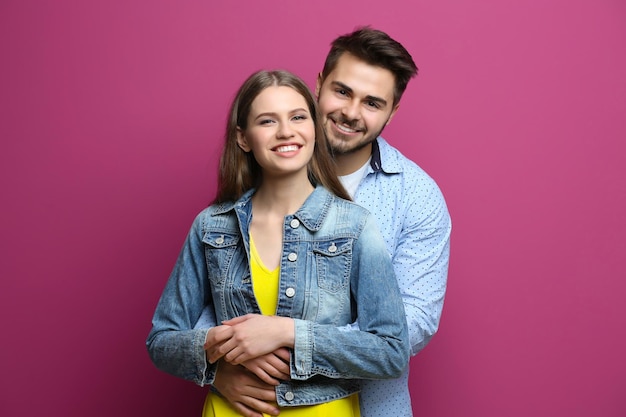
pixel 352 110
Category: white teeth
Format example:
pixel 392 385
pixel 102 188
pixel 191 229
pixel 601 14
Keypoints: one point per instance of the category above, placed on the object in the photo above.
pixel 345 129
pixel 287 148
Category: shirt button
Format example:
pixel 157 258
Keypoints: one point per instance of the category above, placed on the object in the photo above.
pixel 290 292
pixel 292 256
pixel 289 396
pixel 295 223
pixel 219 240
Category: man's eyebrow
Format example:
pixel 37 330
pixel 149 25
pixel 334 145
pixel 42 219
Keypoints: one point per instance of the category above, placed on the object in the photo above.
pixel 342 86
pixel 378 100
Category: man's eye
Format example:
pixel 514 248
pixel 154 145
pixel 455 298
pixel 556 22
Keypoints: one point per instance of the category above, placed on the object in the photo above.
pixel 373 104
pixel 342 92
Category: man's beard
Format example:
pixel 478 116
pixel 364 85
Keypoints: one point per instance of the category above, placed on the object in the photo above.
pixel 343 150
pixel 337 145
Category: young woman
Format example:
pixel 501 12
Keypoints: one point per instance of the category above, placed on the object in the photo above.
pixel 282 260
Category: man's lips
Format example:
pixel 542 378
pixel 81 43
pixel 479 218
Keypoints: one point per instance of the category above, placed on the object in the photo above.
pixel 345 127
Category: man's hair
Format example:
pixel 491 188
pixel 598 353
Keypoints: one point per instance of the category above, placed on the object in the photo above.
pixel 239 171
pixel 376 48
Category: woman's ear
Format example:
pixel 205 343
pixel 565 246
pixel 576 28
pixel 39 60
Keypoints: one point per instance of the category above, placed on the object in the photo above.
pixel 241 140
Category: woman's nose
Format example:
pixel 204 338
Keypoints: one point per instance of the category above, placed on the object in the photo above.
pixel 284 131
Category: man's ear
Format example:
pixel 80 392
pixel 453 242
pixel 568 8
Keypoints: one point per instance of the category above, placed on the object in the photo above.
pixel 318 85
pixel 241 140
pixel 393 113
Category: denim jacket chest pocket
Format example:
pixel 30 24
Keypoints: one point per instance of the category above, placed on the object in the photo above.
pixel 219 250
pixel 330 304
pixel 229 273
pixel 333 260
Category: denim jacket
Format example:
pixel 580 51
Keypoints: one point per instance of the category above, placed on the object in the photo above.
pixel 334 270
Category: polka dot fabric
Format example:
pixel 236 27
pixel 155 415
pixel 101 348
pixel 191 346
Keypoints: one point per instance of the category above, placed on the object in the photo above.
pixel 415 223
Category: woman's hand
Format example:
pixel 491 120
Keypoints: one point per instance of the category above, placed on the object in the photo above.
pixel 248 337
pixel 215 338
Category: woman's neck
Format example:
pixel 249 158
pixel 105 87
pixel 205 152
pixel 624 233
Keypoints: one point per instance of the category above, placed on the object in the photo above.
pixel 281 196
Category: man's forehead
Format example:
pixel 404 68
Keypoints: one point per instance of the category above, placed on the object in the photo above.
pixel 362 78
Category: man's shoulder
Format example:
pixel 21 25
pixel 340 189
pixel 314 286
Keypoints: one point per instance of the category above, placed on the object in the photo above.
pixel 393 161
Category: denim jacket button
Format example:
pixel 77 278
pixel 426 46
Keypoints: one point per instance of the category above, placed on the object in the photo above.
pixel 290 292
pixel 295 223
pixel 289 396
pixel 332 248
pixel 292 256
pixel 219 240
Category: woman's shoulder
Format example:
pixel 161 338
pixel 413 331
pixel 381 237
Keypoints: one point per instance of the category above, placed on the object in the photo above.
pixel 348 205
pixel 348 213
pixel 215 214
pixel 214 209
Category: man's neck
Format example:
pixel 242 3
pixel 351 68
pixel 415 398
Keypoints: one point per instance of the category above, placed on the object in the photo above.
pixel 351 162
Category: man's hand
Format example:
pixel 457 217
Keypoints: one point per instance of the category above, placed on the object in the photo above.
pixel 271 368
pixel 249 395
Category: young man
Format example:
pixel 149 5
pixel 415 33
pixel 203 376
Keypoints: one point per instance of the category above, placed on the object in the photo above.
pixel 359 91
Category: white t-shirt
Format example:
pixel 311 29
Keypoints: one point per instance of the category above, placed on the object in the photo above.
pixel 351 181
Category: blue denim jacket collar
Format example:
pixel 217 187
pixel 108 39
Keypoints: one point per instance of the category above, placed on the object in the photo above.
pixel 312 213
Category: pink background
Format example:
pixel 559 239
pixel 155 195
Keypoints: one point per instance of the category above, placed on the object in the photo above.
pixel 111 122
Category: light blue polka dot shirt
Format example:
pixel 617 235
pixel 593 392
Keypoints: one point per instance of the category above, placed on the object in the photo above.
pixel 415 223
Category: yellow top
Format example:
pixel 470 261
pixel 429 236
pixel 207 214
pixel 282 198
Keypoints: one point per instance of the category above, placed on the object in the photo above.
pixel 264 282
pixel 265 286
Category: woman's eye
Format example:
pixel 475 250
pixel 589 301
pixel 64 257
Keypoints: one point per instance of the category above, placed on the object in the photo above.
pixel 299 117
pixel 265 121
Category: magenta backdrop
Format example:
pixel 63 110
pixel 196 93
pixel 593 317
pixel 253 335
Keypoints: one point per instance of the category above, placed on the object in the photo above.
pixel 111 122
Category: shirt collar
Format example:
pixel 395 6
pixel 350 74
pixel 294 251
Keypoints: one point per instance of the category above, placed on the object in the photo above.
pixel 383 159
pixel 375 161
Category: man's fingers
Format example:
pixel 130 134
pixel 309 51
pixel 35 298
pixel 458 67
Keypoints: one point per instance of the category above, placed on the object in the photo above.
pixel 264 376
pixel 280 368
pixel 255 408
pixel 244 391
pixel 245 411
pixel 283 354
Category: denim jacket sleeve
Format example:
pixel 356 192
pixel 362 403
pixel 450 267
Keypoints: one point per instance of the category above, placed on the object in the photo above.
pixel 380 348
pixel 173 344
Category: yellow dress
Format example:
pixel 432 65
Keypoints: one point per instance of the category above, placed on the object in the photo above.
pixel 265 286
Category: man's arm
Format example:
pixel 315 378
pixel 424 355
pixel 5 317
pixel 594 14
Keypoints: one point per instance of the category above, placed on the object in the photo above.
pixel 420 260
